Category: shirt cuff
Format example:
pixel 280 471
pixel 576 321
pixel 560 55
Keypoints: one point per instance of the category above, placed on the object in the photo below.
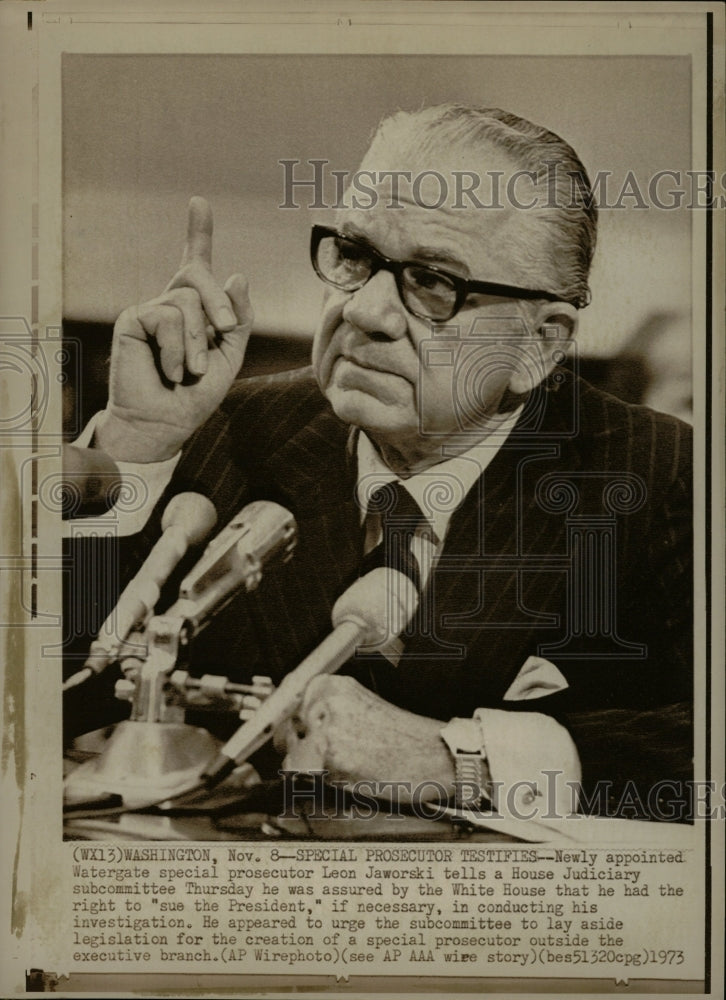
pixel 533 762
pixel 142 484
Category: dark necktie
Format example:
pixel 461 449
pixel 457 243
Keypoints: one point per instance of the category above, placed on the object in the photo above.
pixel 400 517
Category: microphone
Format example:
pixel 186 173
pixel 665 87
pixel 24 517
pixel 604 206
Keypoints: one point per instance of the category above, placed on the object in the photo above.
pixel 260 533
pixel 187 520
pixel 90 483
pixel 372 611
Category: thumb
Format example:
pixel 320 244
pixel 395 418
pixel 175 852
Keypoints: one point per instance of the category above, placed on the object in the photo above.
pixel 200 226
pixel 305 753
pixel 236 289
pixel 234 343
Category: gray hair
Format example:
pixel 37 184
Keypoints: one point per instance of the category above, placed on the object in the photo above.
pixel 565 200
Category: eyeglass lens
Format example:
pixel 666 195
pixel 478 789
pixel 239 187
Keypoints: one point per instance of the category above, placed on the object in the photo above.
pixel 349 264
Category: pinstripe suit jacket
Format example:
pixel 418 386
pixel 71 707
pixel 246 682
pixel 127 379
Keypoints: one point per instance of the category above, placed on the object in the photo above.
pixel 575 545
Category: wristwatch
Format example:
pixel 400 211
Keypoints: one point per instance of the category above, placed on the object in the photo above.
pixel 463 737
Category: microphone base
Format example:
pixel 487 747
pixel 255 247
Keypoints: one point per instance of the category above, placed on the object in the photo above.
pixel 144 762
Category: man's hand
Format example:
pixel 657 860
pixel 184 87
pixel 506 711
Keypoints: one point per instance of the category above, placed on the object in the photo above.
pixel 347 730
pixel 174 358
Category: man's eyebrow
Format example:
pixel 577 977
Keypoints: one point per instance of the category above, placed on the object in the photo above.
pixel 350 229
pixel 443 258
pixel 424 254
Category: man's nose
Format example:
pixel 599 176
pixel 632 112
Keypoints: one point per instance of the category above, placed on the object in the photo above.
pixel 376 308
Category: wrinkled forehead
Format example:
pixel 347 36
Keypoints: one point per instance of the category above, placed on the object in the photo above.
pixel 456 200
pixel 436 174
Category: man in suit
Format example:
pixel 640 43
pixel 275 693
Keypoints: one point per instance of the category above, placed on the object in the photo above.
pixel 552 549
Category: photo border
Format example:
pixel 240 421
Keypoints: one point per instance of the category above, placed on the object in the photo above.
pixel 35 307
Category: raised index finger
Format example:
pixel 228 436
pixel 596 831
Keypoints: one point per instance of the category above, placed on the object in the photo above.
pixel 199 233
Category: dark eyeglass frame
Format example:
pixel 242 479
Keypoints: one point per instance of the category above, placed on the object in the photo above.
pixel 462 287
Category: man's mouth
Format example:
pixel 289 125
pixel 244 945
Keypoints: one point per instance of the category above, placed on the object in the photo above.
pixel 368 365
pixel 385 385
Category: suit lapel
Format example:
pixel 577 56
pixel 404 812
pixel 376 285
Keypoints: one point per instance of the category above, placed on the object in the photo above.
pixel 489 596
pixel 457 603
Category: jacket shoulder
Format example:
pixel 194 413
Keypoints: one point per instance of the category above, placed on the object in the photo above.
pixel 255 419
pixel 263 391
pixel 266 411
pixel 657 446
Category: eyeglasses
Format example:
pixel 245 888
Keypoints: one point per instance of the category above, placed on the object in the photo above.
pixel 425 290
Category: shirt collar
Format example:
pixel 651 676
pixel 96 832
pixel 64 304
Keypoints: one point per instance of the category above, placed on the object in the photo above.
pixel 438 490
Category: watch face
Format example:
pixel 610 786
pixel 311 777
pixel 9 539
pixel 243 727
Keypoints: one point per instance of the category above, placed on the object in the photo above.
pixel 463 736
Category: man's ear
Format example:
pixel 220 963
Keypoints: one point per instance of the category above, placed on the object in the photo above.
pixel 553 326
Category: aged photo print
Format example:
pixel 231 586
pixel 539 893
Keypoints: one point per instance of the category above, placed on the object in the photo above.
pixel 362 483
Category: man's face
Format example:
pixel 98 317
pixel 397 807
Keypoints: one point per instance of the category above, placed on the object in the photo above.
pixel 412 385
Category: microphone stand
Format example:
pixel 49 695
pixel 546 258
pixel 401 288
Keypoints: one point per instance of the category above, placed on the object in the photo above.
pixel 155 754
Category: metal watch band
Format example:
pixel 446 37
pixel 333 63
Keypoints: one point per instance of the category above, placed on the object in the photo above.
pixel 463 738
